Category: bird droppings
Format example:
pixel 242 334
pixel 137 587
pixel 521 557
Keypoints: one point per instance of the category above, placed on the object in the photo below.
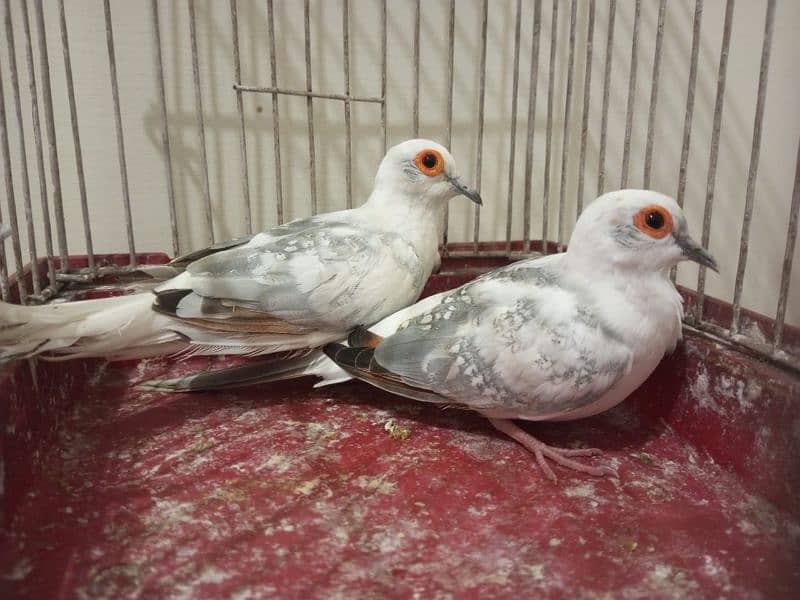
pixel 395 431
pixel 585 490
pixel 377 484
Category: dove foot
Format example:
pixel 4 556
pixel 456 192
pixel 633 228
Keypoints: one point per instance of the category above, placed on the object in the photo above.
pixel 561 456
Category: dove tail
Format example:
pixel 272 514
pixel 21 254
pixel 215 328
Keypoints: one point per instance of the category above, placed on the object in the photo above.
pixel 99 327
pixel 252 373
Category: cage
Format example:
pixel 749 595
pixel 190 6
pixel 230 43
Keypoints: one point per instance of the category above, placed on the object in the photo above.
pixel 131 131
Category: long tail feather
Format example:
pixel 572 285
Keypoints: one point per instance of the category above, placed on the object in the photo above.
pixel 101 327
pixel 252 373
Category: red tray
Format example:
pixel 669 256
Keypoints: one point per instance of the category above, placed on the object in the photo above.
pixel 293 492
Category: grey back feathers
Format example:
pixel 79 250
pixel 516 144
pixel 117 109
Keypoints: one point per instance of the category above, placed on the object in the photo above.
pixel 523 339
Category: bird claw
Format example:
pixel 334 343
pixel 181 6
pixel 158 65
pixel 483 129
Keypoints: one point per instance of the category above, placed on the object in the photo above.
pixel 561 456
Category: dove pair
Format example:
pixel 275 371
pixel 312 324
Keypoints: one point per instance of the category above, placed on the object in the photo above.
pixel 560 337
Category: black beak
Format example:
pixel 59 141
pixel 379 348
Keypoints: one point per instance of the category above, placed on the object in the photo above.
pixel 696 253
pixel 464 190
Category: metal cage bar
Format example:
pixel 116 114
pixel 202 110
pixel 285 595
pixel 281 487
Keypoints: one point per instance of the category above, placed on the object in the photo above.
pixel 50 167
pixel 312 161
pixel 744 243
pixel 601 159
pixel 549 127
pixel 513 137
pixel 651 115
pixel 76 138
pixel 626 152
pixel 481 116
pixel 690 90
pixel 123 166
pixel 237 76
pixel 587 89
pixel 562 189
pixel 37 137
pixel 50 127
pixel 712 161
pixel 534 83
pixel 12 207
pixel 201 125
pixel 26 185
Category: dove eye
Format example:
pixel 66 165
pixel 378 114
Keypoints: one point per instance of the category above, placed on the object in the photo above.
pixel 429 162
pixel 655 221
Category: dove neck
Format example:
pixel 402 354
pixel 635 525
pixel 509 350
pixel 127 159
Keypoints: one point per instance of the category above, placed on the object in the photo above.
pixel 418 219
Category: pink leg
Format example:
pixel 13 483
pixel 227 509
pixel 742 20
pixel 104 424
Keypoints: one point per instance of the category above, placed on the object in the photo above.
pixel 557 455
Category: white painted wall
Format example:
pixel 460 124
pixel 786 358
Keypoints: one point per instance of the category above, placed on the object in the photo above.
pixel 140 111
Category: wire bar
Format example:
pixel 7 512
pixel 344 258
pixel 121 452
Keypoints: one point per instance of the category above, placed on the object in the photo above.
pixel 415 109
pixel 651 116
pixel 26 184
pixel 201 126
pixel 587 88
pixel 3 268
pixel 549 128
pixel 562 190
pixel 312 162
pixel 626 152
pixel 481 118
pixel 449 119
pixel 712 161
pixel 275 114
pixel 37 137
pixel 237 74
pixel 12 206
pixel 50 125
pixel 347 125
pixel 383 75
pixel 513 142
pixel 534 83
pixel 276 90
pixel 173 218
pixel 788 257
pixel 123 167
pixel 752 172
pixel 687 122
pixel 76 138
pixel 601 168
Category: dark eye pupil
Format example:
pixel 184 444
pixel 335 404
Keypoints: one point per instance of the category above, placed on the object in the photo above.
pixel 429 160
pixel 655 220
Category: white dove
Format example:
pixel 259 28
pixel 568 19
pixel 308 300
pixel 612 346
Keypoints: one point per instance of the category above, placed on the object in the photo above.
pixel 561 337
pixel 292 287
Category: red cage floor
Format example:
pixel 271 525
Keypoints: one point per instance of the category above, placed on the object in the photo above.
pixel 293 492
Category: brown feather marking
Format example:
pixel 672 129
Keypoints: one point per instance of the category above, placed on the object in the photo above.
pixel 361 337
pixel 263 324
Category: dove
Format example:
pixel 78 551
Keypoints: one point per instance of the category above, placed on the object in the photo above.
pixel 555 338
pixel 290 288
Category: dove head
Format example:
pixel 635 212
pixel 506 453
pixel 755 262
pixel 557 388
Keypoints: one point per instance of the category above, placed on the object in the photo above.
pixel 636 230
pixel 422 170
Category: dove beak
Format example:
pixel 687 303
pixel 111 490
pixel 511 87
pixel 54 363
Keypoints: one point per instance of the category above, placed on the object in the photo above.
pixel 696 253
pixel 462 189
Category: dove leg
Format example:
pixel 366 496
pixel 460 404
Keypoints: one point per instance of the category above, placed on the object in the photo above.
pixel 541 451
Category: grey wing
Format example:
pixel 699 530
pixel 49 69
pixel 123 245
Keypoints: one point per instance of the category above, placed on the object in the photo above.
pixel 310 278
pixel 185 260
pixel 514 343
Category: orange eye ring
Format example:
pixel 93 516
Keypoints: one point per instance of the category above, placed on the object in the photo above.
pixel 655 221
pixel 429 162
